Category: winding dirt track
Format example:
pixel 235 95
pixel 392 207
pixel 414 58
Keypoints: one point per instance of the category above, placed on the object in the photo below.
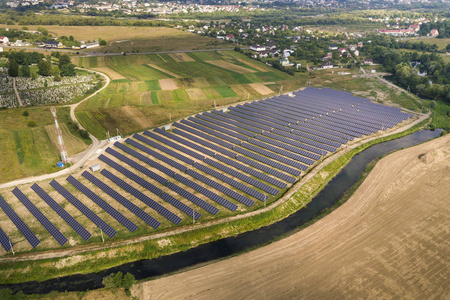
pixel 391 239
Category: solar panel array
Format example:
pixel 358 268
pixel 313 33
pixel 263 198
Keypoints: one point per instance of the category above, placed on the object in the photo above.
pixel 5 241
pixel 59 237
pixel 20 224
pixel 61 212
pixel 84 209
pixel 252 150
pixel 122 200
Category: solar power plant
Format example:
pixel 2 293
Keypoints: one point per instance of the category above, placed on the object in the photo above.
pixel 5 241
pixel 103 204
pixel 144 198
pixel 59 237
pixel 62 212
pixel 23 228
pixel 84 209
pixel 122 200
pixel 155 190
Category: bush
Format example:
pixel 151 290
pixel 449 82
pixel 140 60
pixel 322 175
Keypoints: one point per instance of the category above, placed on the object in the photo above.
pixel 117 280
pixel 31 124
pixel 7 294
pixel 433 104
pixel 25 113
pixel 84 134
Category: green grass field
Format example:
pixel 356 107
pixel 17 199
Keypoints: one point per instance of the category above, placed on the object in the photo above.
pixel 199 78
pixel 28 151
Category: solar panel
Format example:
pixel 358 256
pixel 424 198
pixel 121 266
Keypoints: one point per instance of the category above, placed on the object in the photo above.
pixel 236 196
pixel 23 228
pixel 141 168
pixel 212 132
pixel 61 212
pixel 49 226
pixel 205 136
pixel 185 142
pixel 144 198
pixel 103 204
pixel 243 177
pixel 84 209
pixel 227 204
pixel 158 146
pixel 5 241
pixel 122 200
pixel 232 182
pixel 265 168
pixel 194 199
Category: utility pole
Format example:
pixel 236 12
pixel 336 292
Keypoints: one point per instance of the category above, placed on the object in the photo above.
pixel 102 235
pixel 12 248
pixel 62 148
pixel 170 117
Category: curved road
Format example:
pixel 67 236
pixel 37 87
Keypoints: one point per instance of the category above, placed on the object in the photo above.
pixel 81 158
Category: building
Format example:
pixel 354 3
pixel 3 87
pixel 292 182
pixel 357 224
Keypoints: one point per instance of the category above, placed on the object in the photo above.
pixel 285 62
pixel 352 47
pixel 360 44
pixel 4 40
pixel 257 48
pixel 327 65
pixel 95 168
pixel 53 44
pixel 434 32
pixel 368 61
pixel 90 45
pixel 333 47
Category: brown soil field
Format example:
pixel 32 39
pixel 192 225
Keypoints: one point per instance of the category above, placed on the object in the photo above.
pixel 389 240
pixel 73 144
pixel 167 84
pixel 230 66
pixel 164 70
pixel 181 57
pixel 254 66
pixel 111 73
pixel 196 94
pixel 137 116
pixel 261 88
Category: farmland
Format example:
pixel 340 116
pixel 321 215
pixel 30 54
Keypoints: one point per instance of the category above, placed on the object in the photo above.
pixel 178 83
pixel 28 145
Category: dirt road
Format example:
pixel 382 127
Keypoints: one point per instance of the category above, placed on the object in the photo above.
pixel 389 240
pixel 19 100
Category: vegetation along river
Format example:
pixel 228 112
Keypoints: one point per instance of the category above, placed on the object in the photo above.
pixel 146 269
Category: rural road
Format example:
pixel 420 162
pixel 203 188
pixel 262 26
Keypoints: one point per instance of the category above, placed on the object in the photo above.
pixel 389 240
pixel 81 158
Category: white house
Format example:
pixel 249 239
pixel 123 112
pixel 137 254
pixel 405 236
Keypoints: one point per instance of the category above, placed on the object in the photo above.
pixel 258 48
pixel 4 40
pixel 327 65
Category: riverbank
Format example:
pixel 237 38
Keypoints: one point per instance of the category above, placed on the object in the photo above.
pixel 387 240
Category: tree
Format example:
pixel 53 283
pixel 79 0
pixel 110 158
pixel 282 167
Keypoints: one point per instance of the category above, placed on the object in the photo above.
pixel 13 68
pixel 25 113
pixel 25 71
pixel 45 68
pixel 64 60
pixel 128 281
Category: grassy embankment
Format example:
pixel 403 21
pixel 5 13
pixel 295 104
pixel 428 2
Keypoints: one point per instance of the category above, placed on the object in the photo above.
pixel 145 89
pixel 27 148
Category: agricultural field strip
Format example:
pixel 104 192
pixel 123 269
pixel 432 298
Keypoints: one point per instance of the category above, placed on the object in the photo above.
pixel 193 141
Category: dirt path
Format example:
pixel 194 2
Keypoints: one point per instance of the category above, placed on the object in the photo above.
pixel 80 158
pixel 16 92
pixel 389 240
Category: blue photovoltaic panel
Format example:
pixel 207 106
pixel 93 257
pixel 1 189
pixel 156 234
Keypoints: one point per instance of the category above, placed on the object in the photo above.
pixel 144 198
pixel 157 146
pixel 61 212
pixel 51 228
pixel 103 204
pixel 227 204
pixel 23 228
pixel 84 209
pixel 181 206
pixel 5 241
pixel 212 183
pixel 265 168
pixel 140 167
pixel 147 150
pixel 122 200
pixel 194 199
pixel 185 142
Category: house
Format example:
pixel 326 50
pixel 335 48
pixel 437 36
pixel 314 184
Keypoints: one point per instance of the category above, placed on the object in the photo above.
pixel 18 43
pixel 342 50
pixel 53 44
pixel 368 61
pixel 274 52
pixel 360 44
pixel 285 62
pixel 4 40
pixel 270 47
pixel 230 37
pixel 352 47
pixel 356 52
pixel 333 47
pixel 287 53
pixel 263 54
pixel 415 27
pixel 434 32
pixel 91 45
pixel 1 49
pixel 257 48
pixel 329 55
pixel 327 65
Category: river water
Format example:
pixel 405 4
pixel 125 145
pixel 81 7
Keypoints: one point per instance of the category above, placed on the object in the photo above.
pixel 147 269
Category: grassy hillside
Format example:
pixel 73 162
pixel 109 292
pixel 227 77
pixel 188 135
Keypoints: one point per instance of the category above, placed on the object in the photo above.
pixel 146 88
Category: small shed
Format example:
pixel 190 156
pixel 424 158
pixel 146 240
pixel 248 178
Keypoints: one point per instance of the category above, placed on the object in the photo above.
pixel 60 164
pixel 167 127
pixel 95 168
pixel 224 110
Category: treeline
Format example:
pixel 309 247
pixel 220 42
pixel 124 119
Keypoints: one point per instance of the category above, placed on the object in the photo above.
pixel 443 27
